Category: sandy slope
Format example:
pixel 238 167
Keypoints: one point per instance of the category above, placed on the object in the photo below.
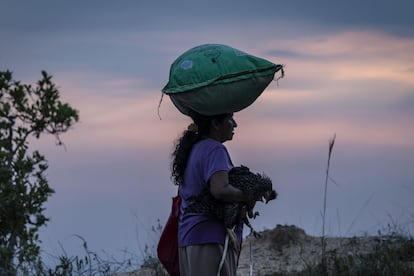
pixel 286 249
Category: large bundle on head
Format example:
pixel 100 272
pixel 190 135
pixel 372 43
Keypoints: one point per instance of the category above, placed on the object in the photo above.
pixel 215 79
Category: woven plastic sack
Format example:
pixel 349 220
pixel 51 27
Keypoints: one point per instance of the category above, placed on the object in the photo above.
pixel 214 79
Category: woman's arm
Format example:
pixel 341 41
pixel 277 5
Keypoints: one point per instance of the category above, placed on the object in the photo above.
pixel 221 189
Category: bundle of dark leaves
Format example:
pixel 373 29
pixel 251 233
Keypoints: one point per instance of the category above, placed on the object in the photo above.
pixel 256 186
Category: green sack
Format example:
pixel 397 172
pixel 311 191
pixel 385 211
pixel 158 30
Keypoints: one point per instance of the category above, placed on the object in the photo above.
pixel 214 79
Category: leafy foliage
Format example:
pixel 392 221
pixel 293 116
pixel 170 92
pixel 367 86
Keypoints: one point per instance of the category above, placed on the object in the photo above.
pixel 26 111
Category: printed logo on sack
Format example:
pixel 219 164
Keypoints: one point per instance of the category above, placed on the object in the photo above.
pixel 186 64
pixel 212 53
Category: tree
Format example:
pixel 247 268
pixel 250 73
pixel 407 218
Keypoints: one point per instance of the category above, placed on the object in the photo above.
pixel 26 111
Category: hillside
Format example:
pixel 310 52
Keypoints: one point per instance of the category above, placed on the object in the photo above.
pixel 288 250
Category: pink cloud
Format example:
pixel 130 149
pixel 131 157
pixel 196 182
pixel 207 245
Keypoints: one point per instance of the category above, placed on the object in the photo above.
pixel 314 97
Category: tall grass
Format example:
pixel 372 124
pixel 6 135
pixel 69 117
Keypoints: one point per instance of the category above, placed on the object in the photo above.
pixel 89 263
pixel 94 263
pixel 392 253
pixel 323 240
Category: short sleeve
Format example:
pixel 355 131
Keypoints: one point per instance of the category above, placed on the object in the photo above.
pixel 217 160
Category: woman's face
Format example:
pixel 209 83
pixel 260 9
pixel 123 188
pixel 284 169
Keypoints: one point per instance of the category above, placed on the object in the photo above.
pixel 226 128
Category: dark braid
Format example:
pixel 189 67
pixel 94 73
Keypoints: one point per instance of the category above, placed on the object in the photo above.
pixel 185 143
pixel 181 153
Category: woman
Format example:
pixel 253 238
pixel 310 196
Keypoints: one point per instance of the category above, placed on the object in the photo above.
pixel 200 160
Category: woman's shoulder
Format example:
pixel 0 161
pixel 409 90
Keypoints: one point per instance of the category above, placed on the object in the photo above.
pixel 210 147
pixel 209 144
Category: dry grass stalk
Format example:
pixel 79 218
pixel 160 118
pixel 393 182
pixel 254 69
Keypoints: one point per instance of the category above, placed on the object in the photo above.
pixel 323 240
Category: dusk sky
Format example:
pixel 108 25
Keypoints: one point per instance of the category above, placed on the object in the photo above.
pixel 349 71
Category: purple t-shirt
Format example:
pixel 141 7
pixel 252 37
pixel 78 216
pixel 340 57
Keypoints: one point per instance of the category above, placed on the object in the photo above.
pixel 206 158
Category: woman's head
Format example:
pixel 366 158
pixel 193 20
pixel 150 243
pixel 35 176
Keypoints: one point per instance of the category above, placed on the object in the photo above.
pixel 219 127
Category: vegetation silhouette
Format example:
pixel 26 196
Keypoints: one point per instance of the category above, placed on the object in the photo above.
pixel 26 111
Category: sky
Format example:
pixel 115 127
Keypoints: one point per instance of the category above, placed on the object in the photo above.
pixel 349 72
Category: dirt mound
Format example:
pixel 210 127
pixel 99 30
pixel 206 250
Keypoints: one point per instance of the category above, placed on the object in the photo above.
pixel 282 236
pixel 287 249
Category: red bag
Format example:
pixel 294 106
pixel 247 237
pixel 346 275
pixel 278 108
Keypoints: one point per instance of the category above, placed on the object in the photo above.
pixel 167 249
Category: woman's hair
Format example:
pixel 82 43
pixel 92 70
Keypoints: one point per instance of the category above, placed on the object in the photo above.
pixel 185 143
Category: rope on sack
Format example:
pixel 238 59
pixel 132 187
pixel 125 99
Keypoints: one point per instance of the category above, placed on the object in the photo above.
pixel 282 74
pixel 223 257
pixel 159 105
